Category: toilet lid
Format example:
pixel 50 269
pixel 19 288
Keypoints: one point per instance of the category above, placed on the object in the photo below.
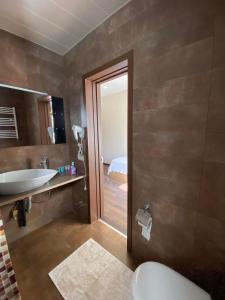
pixel 154 281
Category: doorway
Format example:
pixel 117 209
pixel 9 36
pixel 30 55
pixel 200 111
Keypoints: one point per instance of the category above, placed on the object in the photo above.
pixel 103 176
pixel 113 139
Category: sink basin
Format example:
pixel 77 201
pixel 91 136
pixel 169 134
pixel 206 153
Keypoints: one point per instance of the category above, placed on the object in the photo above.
pixel 20 181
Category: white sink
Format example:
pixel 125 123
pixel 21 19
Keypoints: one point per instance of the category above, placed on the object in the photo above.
pixel 20 181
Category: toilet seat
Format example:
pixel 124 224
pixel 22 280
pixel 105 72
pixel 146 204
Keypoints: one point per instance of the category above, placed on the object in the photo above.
pixel 154 281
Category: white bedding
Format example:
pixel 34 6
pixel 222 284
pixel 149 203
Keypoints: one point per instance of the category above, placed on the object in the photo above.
pixel 118 165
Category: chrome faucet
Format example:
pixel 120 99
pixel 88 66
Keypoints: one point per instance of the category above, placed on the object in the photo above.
pixel 44 162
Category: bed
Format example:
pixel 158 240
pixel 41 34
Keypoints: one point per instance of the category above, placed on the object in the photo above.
pixel 118 168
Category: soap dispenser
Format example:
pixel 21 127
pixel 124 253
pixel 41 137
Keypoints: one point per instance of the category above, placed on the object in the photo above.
pixel 72 169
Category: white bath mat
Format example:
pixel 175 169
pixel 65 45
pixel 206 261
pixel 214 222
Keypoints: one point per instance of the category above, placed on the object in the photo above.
pixel 92 273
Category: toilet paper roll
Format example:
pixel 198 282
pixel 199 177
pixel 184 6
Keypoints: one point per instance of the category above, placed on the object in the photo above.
pixel 146 230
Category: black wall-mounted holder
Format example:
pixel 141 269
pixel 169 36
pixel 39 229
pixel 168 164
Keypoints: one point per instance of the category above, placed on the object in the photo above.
pixel 22 207
pixel 21 213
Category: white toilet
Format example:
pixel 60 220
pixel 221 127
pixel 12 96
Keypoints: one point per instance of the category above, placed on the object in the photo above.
pixel 154 281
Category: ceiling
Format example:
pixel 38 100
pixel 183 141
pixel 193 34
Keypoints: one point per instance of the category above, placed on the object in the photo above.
pixel 114 86
pixel 57 25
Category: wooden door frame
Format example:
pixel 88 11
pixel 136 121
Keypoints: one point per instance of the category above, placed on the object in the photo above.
pixel 91 80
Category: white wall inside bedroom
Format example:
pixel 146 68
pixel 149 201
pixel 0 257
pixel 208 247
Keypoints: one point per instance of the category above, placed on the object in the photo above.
pixel 114 119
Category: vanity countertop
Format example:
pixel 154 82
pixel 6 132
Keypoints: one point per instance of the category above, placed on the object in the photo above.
pixel 54 183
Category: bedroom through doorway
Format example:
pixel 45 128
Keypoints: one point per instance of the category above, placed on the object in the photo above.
pixel 113 99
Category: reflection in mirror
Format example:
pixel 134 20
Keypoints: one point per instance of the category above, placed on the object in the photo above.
pixel 30 118
pixel 51 117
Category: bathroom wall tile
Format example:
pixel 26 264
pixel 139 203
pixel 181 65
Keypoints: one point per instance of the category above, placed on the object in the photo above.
pixel 35 81
pixel 149 77
pixel 192 59
pixel 125 15
pixel 212 197
pixel 208 272
pixel 175 35
pixel 185 61
pixel 181 193
pixel 80 201
pixel 219 26
pixel 206 262
pixel 211 230
pixel 172 168
pixel 168 144
pixel 184 90
pixel 158 14
pixel 216 120
pixel 215 147
pixel 171 217
pixel 177 118
pixel 13 66
pixel 165 180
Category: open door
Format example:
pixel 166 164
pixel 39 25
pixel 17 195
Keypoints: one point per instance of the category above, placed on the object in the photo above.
pixel 92 83
pixel 113 136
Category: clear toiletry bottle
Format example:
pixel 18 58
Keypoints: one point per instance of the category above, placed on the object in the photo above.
pixel 72 169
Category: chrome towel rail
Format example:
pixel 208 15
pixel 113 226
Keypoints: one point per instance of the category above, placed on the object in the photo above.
pixel 8 122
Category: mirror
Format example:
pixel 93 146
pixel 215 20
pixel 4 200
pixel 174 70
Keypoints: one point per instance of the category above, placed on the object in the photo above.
pixel 30 118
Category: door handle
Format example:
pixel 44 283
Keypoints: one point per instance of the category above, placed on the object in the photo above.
pixel 101 159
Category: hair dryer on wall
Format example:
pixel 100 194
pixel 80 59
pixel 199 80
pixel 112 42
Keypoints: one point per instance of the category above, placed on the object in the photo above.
pixel 79 133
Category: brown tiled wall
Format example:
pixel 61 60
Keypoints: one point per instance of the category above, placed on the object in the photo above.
pixel 178 126
pixel 27 65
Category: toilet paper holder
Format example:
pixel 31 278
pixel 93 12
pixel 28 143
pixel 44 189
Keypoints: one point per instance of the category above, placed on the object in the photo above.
pixel 143 215
pixel 147 208
pixel 144 219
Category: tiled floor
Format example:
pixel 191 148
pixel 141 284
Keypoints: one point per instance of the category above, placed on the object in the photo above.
pixel 36 254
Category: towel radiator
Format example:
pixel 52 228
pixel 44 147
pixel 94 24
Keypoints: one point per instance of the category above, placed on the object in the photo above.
pixel 9 120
